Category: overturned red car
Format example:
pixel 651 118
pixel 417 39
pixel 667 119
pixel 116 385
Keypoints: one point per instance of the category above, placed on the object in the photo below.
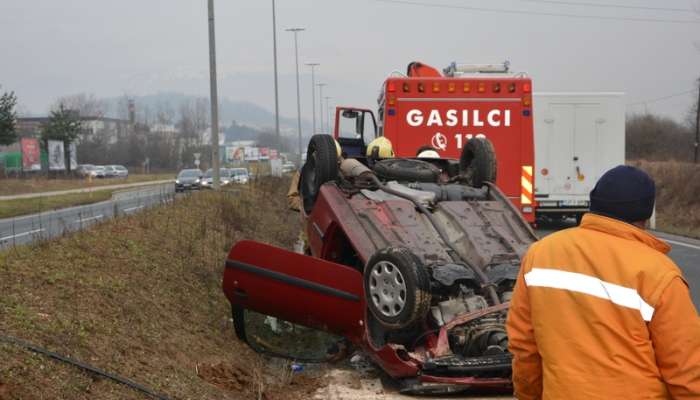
pixel 411 260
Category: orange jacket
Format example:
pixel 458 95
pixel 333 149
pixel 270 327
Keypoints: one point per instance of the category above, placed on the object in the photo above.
pixel 600 312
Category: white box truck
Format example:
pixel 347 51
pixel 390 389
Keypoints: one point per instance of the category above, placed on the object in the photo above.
pixel 578 136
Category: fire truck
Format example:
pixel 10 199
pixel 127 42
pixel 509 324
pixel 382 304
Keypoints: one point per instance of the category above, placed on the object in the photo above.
pixel 444 110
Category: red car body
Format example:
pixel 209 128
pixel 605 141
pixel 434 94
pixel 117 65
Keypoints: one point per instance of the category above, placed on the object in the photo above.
pixel 325 290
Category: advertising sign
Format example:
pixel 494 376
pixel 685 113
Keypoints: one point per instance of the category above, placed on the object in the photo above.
pixel 264 153
pixel 273 154
pixel 31 154
pixel 252 153
pixel 73 156
pixel 57 160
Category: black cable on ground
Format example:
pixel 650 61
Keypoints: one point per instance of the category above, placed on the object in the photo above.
pixel 81 365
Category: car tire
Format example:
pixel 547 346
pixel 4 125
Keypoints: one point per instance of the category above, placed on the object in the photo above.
pixel 397 288
pixel 402 169
pixel 321 166
pixel 478 162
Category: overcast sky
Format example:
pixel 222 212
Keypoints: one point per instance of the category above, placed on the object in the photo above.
pixel 51 48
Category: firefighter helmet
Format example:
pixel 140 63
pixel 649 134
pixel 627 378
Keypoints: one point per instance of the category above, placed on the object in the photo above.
pixel 383 148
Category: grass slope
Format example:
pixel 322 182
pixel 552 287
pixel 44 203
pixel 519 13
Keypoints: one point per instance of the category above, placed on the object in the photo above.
pixel 141 296
pixel 677 196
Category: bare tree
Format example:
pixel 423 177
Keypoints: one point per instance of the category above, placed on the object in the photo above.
pixel 87 105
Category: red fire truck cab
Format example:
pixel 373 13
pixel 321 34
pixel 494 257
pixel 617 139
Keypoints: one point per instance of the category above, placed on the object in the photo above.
pixel 444 110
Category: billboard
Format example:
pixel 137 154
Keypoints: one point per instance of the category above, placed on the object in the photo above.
pixel 273 154
pixel 31 154
pixel 234 153
pixel 264 153
pixel 252 153
pixel 73 156
pixel 57 160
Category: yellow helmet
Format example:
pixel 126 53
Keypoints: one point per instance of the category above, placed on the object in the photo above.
pixel 338 150
pixel 385 150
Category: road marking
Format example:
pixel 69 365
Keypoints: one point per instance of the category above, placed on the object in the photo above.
pixel 6 238
pixel 692 246
pixel 87 219
pixel 132 208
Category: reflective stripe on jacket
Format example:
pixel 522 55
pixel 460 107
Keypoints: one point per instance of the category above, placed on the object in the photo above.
pixel 600 312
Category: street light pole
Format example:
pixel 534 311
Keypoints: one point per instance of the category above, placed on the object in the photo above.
pixel 296 57
pixel 313 95
pixel 697 127
pixel 214 99
pixel 274 52
pixel 321 111
pixel 330 132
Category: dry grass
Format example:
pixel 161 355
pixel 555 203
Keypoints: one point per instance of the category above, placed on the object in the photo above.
pixel 15 208
pixel 141 296
pixel 678 195
pixel 11 186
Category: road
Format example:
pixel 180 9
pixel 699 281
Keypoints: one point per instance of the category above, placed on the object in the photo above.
pixel 25 229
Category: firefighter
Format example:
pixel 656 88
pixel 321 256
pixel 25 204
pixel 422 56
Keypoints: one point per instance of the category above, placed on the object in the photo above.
pixel 380 148
pixel 427 152
pixel 600 312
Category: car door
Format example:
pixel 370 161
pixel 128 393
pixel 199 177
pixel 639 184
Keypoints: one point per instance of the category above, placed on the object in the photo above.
pixel 296 288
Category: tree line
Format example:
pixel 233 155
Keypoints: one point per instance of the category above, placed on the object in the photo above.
pixel 162 139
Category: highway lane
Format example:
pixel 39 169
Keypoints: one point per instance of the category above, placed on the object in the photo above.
pixel 25 229
pixel 685 253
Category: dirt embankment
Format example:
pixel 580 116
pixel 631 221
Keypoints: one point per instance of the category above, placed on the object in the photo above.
pixel 141 297
pixel 677 197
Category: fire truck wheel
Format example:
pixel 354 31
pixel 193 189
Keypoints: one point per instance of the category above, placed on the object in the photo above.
pixel 397 288
pixel 321 166
pixel 478 161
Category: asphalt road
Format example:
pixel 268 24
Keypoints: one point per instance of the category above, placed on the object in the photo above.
pixel 685 253
pixel 46 225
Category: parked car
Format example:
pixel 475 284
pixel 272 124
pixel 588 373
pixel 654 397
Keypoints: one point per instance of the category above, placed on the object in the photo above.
pixel 98 171
pixel 84 170
pixel 240 175
pixel 188 179
pixel 110 171
pixel 412 261
pixel 224 178
pixel 119 171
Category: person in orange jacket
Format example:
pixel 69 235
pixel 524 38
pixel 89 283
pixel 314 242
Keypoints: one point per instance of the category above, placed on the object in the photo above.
pixel 600 312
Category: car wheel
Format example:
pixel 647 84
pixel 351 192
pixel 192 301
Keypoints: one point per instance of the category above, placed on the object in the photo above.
pixel 478 162
pixel 397 288
pixel 321 166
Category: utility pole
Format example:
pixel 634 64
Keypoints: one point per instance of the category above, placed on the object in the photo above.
pixel 296 57
pixel 313 95
pixel 697 126
pixel 328 110
pixel 320 104
pixel 214 99
pixel 274 52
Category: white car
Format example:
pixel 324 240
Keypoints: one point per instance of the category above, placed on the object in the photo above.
pixel 240 175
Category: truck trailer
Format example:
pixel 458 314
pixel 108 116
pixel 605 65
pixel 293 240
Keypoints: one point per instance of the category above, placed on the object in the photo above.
pixel 578 136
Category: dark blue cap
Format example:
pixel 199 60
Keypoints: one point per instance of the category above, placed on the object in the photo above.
pixel 625 193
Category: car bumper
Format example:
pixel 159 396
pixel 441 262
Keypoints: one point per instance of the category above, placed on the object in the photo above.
pixel 186 186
